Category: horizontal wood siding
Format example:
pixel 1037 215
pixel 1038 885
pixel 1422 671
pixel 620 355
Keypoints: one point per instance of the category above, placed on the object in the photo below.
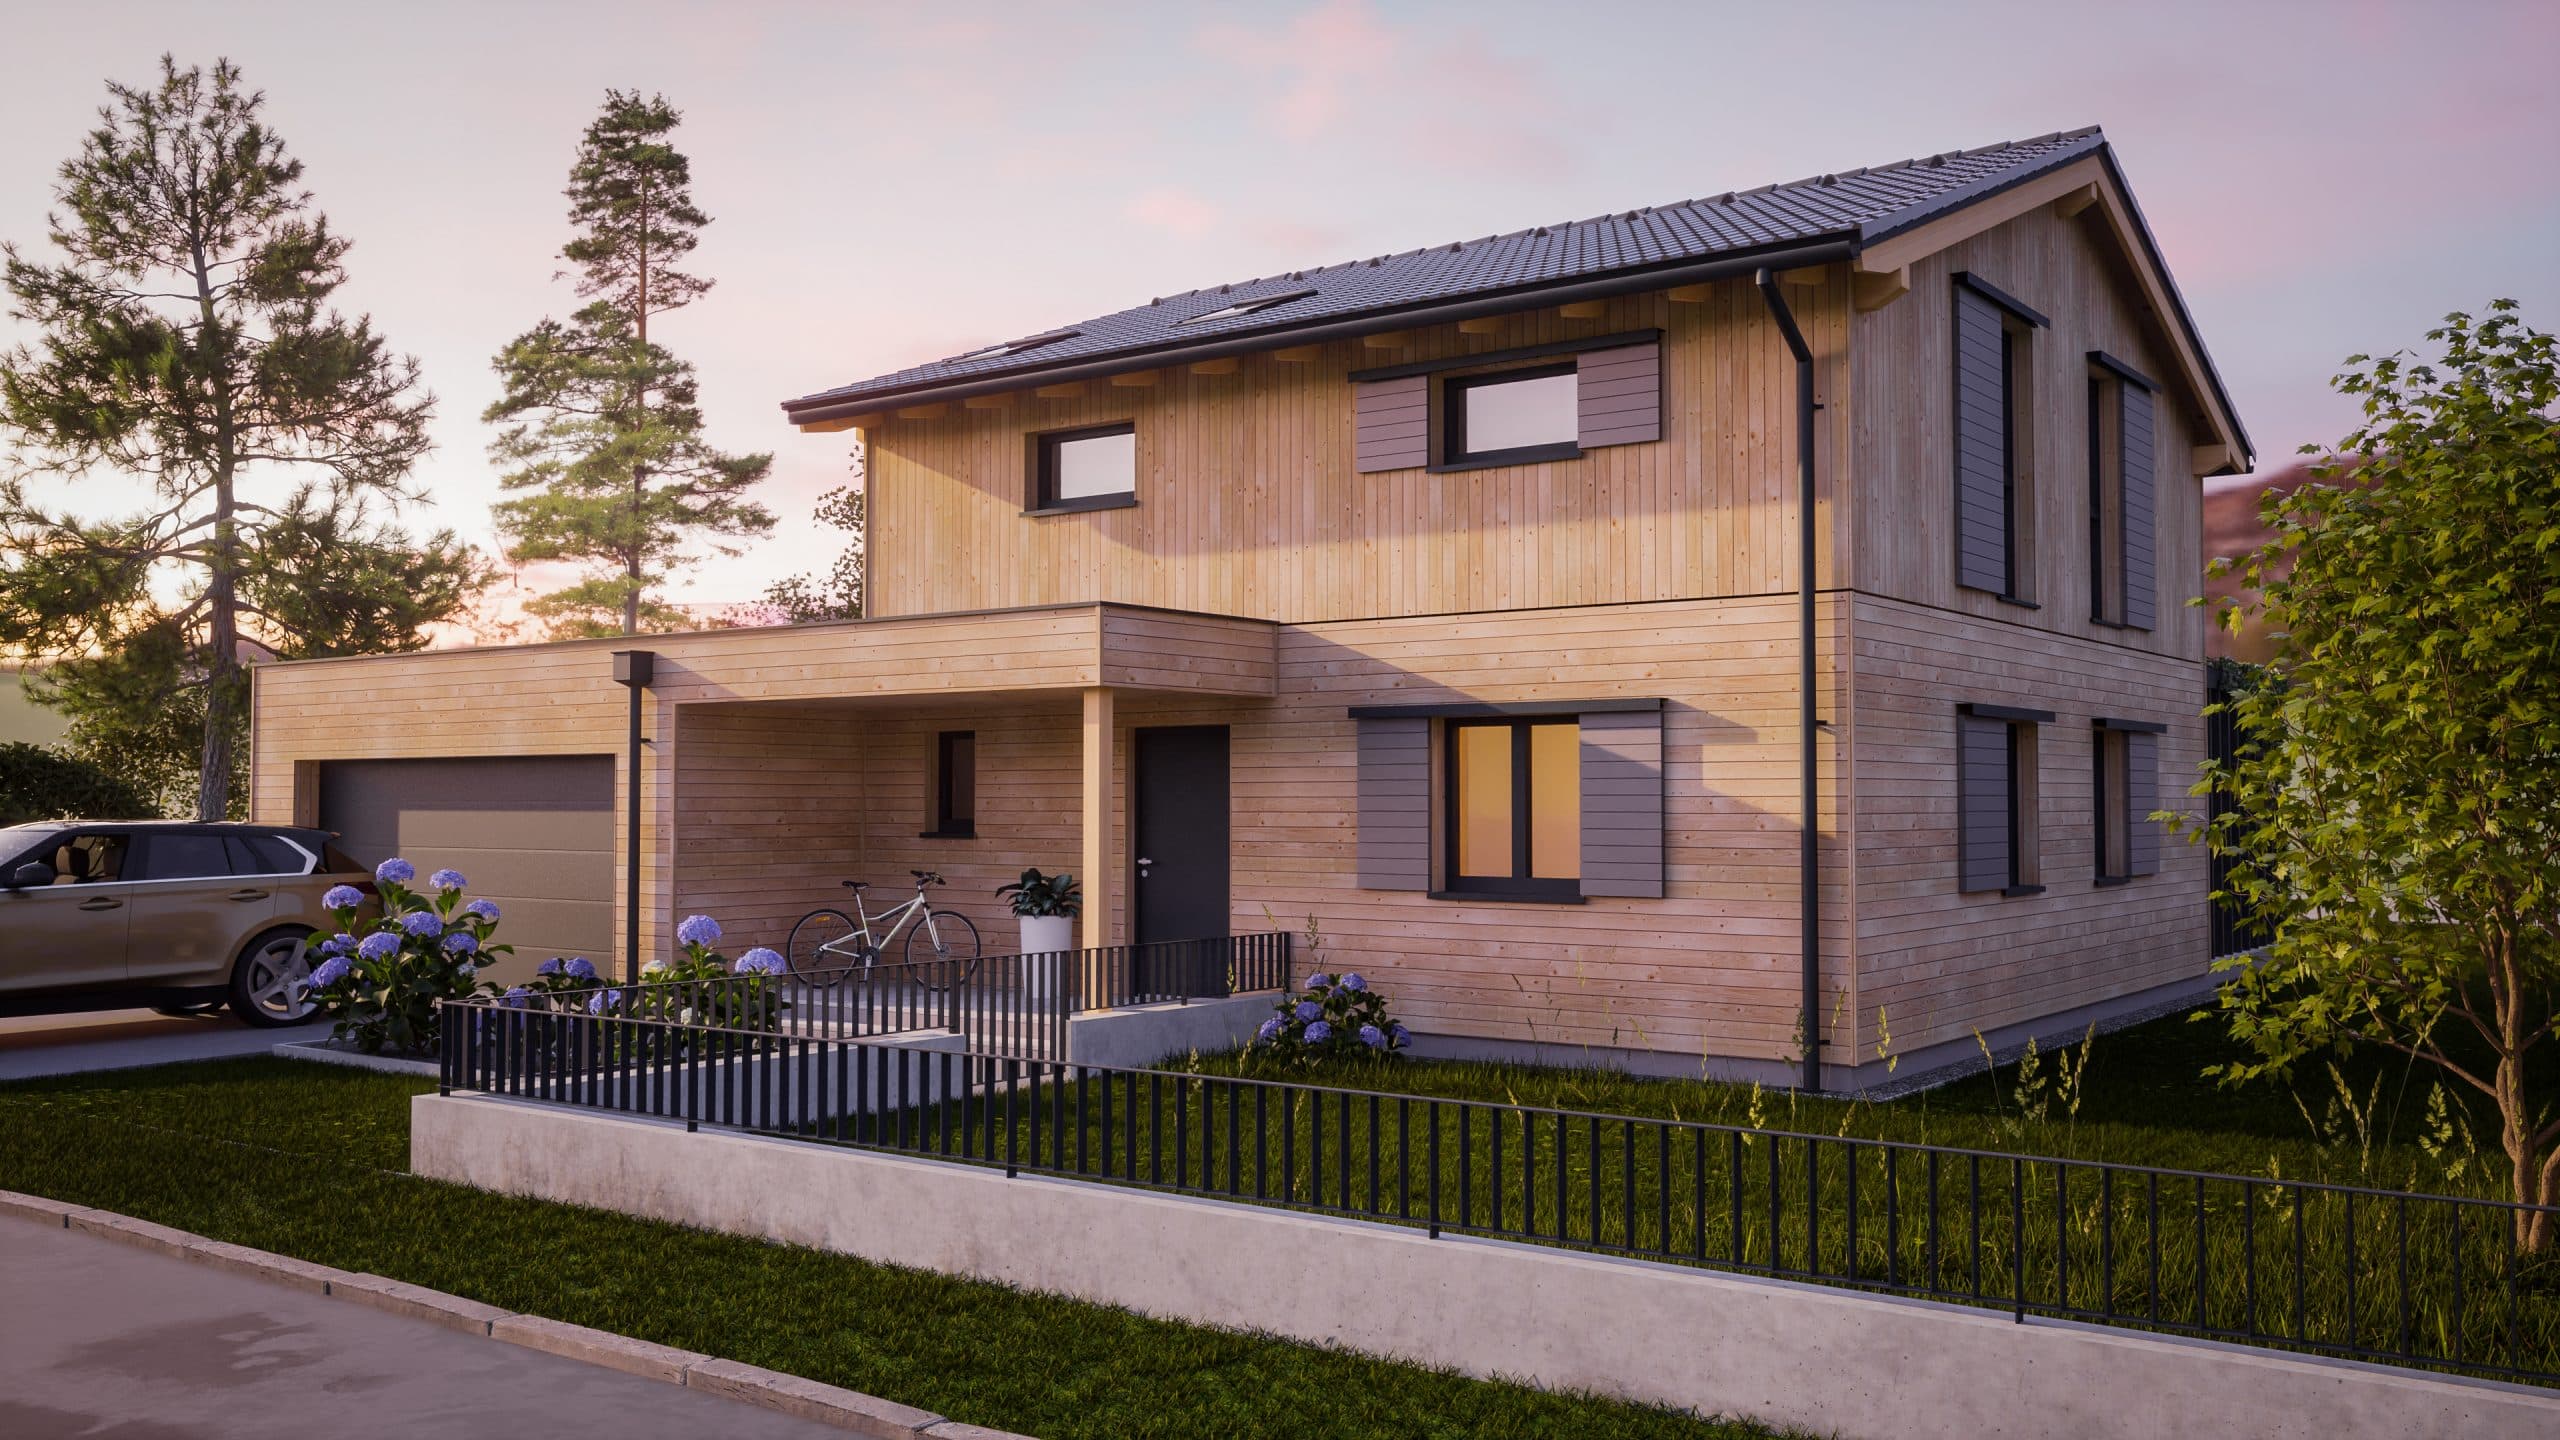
pixel 1394 817
pixel 1619 395
pixel 1622 803
pixel 1394 420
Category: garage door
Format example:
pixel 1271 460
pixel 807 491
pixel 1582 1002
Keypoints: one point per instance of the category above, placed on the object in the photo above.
pixel 533 833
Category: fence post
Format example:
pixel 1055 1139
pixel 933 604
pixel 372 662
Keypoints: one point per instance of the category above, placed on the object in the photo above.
pixel 2018 1237
pixel 1435 1169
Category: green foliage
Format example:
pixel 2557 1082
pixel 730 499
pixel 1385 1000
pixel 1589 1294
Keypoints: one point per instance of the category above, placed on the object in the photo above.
pixel 601 429
pixel 2396 808
pixel 1035 895
pixel 379 979
pixel 37 783
pixel 184 338
pixel 1334 1017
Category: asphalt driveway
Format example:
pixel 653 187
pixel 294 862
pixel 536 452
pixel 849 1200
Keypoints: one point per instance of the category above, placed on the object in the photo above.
pixel 34 1045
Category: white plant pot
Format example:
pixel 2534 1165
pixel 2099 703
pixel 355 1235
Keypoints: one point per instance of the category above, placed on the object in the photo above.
pixel 1046 936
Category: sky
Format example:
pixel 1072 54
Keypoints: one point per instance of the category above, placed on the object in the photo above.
pixel 897 183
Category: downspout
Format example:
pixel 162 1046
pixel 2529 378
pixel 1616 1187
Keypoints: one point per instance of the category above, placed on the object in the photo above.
pixel 1809 849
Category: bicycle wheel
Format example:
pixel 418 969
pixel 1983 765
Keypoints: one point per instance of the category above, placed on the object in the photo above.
pixel 958 952
pixel 819 951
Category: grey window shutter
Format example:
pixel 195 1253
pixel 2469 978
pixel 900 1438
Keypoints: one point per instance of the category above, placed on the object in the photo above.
pixel 1982 442
pixel 1395 803
pixel 2136 461
pixel 1620 395
pixel 1982 801
pixel 2141 797
pixel 1622 803
pixel 1394 420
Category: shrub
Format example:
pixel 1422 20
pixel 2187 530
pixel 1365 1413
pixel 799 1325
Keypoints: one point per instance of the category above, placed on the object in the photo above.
pixel 378 980
pixel 1333 1017
pixel 37 783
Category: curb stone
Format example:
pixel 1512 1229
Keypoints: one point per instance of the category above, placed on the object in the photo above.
pixel 848 1410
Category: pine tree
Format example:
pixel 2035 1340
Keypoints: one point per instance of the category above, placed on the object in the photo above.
pixel 602 430
pixel 184 339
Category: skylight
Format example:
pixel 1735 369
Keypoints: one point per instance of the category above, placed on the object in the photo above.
pixel 1014 347
pixel 1247 307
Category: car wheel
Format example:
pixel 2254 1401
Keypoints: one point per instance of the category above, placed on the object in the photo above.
pixel 267 984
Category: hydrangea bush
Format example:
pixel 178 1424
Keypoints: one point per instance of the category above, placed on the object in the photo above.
pixel 378 980
pixel 1333 1016
pixel 701 986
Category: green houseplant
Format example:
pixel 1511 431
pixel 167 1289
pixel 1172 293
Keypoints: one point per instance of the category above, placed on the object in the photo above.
pixel 1047 906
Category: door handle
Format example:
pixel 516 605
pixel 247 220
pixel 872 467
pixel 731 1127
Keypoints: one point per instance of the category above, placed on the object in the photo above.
pixel 102 903
pixel 248 894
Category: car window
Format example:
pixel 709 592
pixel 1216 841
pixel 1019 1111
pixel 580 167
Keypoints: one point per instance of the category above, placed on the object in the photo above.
pixel 89 859
pixel 182 856
pixel 267 855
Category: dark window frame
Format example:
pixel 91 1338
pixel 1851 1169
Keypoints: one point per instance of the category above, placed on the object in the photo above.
pixel 948 825
pixel 1040 492
pixel 1519 884
pixel 1453 451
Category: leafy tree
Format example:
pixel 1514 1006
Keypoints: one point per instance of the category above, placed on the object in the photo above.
pixel 185 339
pixel 836 595
pixel 40 783
pixel 602 428
pixel 2397 805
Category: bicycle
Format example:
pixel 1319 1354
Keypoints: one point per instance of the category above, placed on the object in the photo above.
pixel 827 944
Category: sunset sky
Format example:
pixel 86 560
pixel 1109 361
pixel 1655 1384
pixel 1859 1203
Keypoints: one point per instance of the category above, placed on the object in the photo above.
pixel 897 183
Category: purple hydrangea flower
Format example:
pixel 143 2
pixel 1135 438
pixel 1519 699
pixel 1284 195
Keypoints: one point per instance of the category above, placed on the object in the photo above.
pixel 380 945
pixel 342 897
pixel 603 1001
pixel 485 909
pixel 1353 983
pixel 759 961
pixel 330 972
pixel 516 996
pixel 1372 1036
pixel 553 966
pixel 698 930
pixel 1308 1010
pixel 1318 982
pixel 1399 1034
pixel 395 871
pixel 447 880
pixel 1270 1028
pixel 422 924
pixel 579 968
pixel 338 944
pixel 460 943
pixel 1319 1032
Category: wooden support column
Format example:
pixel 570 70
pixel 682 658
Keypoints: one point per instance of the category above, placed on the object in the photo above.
pixel 1099 806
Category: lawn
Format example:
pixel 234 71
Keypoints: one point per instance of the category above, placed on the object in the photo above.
pixel 310 1161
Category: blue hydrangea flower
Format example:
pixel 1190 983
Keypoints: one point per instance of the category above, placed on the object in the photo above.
pixel 579 968
pixel 516 996
pixel 485 909
pixel 447 880
pixel 1401 1035
pixel 422 923
pixel 759 961
pixel 1318 982
pixel 1353 983
pixel 330 972
pixel 603 1001
pixel 380 945
pixel 553 966
pixel 395 871
pixel 1319 1032
pixel 698 930
pixel 342 897
pixel 460 943
pixel 1372 1036
pixel 338 944
pixel 1309 1010
pixel 1270 1028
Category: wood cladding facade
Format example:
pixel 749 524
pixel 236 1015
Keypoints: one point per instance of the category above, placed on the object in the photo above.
pixel 1269 581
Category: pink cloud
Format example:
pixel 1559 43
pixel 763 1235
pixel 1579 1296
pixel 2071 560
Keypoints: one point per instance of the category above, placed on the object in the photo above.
pixel 1174 209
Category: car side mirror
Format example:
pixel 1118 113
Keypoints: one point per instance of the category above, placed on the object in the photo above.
pixel 30 875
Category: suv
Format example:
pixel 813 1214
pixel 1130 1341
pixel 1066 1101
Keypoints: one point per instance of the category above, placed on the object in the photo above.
pixel 177 915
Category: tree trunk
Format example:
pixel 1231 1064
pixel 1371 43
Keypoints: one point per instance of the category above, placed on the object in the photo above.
pixel 222 600
pixel 639 472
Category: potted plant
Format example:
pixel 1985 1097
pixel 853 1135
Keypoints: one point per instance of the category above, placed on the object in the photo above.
pixel 1047 906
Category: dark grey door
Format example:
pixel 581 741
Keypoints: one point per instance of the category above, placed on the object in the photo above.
pixel 1181 832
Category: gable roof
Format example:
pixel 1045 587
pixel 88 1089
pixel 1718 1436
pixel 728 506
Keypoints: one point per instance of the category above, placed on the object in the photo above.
pixel 1821 219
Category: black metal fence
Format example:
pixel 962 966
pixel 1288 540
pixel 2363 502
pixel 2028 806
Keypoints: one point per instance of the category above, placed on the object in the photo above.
pixel 2413 1279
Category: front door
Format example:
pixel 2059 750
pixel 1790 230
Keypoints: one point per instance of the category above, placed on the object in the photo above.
pixel 1181 832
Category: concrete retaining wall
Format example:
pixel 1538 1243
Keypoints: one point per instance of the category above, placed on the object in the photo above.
pixel 1138 1037
pixel 1802 1356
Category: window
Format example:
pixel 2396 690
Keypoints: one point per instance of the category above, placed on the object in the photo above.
pixel 2114 813
pixel 2124 785
pixel 1997 779
pixel 183 855
pixel 1995 441
pixel 1245 307
pixel 253 854
pixel 1513 416
pixel 2106 499
pixel 85 859
pixel 955 784
pixel 1514 796
pixel 1015 347
pixel 1090 469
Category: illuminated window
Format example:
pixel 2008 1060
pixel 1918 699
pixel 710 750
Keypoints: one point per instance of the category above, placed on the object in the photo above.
pixel 1515 807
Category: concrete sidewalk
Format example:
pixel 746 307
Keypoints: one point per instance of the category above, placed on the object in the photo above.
pixel 32 1045
pixel 100 1338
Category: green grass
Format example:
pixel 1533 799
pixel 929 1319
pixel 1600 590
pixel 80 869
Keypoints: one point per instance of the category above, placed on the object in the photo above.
pixel 309 1161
